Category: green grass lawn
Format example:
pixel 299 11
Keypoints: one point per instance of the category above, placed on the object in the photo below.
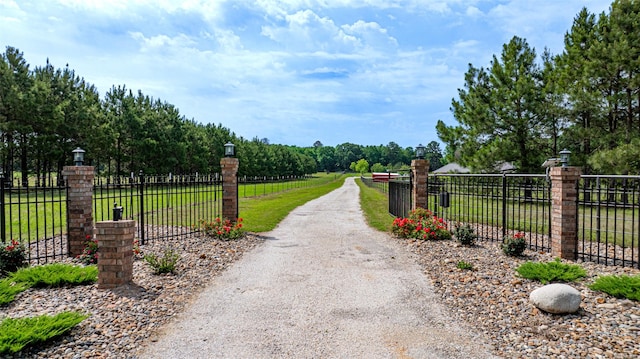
pixel 375 206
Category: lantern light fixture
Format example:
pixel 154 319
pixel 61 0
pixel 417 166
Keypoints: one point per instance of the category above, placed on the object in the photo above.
pixel 564 157
pixel 229 150
pixel 78 156
pixel 420 151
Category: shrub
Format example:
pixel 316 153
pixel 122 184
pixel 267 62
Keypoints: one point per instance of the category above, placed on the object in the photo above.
pixel 48 275
pixel 165 264
pixel 421 224
pixel 514 245
pixel 222 229
pixel 90 253
pixel 9 289
pixel 622 286
pixel 465 234
pixel 464 265
pixel 56 275
pixel 15 334
pixel 12 257
pixel 555 271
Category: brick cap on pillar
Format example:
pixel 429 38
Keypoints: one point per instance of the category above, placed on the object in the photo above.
pixel 116 224
pixel 565 172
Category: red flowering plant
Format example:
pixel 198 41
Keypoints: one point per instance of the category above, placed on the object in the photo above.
pixel 12 257
pixel 514 245
pixel 421 224
pixel 223 229
pixel 90 253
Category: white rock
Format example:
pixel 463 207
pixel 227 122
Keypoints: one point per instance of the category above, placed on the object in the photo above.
pixel 556 298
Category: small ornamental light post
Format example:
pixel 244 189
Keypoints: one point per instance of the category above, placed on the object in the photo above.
pixel 78 156
pixel 564 211
pixel 79 180
pixel 564 157
pixel 419 173
pixel 420 152
pixel 229 165
pixel 229 150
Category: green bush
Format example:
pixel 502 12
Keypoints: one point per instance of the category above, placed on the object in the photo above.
pixel 15 334
pixel 165 264
pixel 9 289
pixel 49 275
pixel 464 265
pixel 514 245
pixel 12 257
pixel 465 234
pixel 56 275
pixel 555 271
pixel 622 286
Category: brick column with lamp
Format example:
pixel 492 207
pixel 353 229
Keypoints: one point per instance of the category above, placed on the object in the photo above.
pixel 79 179
pixel 419 173
pixel 564 212
pixel 229 166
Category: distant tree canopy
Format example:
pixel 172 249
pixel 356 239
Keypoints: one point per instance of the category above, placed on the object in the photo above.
pixel 46 112
pixel 587 99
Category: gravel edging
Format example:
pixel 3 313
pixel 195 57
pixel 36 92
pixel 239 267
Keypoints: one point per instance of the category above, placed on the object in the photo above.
pixel 495 300
pixel 124 319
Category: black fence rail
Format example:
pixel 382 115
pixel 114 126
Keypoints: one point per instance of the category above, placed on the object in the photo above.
pixel 400 197
pixel 382 186
pixel 609 220
pixel 35 217
pixel 254 186
pixel 496 205
pixel 164 206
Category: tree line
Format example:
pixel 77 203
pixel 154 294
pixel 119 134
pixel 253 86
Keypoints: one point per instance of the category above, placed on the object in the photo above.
pixel 524 109
pixel 47 112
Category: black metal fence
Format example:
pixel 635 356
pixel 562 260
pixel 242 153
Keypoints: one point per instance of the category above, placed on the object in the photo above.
pixel 382 186
pixel 496 205
pixel 400 197
pixel 36 217
pixel 253 186
pixel 164 206
pixel 609 220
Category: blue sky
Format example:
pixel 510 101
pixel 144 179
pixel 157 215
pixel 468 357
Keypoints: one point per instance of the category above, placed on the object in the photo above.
pixel 362 71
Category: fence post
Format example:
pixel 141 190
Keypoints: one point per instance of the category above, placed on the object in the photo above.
pixel 229 188
pixel 420 171
pixel 564 211
pixel 79 181
pixel 141 202
pixel 115 252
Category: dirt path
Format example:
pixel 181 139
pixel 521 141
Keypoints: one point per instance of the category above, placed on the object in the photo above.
pixel 324 285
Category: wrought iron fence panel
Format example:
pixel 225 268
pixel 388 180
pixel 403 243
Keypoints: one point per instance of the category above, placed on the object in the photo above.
pixel 609 219
pixel 494 204
pixel 382 186
pixel 36 217
pixel 163 206
pixel 400 197
pixel 254 186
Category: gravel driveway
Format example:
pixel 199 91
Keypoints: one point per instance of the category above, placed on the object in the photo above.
pixel 324 285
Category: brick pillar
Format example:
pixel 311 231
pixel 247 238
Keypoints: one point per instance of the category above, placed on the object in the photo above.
pixel 79 181
pixel 115 252
pixel 419 173
pixel 229 188
pixel 564 211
